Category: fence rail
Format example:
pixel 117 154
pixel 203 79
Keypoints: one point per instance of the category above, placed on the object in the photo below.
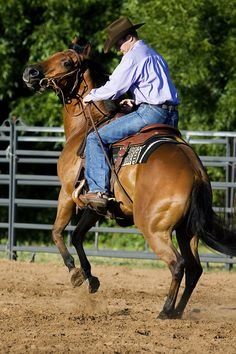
pixel 22 147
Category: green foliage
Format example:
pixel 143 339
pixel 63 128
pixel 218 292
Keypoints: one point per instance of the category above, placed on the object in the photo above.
pixel 121 241
pixel 32 30
pixel 40 110
pixel 196 38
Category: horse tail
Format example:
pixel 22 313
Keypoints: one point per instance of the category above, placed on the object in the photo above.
pixel 203 221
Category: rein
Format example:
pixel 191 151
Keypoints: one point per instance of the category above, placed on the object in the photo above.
pixel 105 153
pixel 54 81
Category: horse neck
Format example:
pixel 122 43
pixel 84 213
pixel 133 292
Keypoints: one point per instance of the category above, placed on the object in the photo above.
pixel 75 116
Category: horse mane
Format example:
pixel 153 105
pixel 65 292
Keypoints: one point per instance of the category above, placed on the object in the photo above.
pixel 98 74
pixel 99 77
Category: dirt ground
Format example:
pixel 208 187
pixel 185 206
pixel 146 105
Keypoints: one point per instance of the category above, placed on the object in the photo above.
pixel 40 312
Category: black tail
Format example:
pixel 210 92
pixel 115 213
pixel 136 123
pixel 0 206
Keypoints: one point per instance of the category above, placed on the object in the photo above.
pixel 202 221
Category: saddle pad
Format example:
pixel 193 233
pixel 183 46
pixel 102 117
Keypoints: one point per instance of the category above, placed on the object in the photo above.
pixel 140 153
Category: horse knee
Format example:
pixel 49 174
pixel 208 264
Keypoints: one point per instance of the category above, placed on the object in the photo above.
pixel 57 237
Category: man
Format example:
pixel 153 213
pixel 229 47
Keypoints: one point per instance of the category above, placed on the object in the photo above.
pixel 142 72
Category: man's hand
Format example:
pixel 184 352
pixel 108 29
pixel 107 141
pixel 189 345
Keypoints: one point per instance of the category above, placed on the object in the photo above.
pixel 127 105
pixel 86 100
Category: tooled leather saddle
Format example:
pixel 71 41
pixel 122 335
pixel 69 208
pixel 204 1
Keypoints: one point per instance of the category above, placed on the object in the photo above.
pixel 132 150
pixel 137 148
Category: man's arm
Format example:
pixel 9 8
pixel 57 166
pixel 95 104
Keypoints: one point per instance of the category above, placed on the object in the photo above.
pixel 118 84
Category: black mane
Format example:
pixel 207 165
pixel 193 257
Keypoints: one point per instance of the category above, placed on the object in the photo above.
pixel 99 78
pixel 98 75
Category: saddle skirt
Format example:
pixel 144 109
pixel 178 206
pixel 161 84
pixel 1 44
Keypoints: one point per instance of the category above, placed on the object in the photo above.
pixel 137 148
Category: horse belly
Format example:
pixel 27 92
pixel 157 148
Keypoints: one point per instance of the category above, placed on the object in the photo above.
pixel 127 177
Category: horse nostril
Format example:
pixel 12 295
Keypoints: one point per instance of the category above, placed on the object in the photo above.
pixel 33 72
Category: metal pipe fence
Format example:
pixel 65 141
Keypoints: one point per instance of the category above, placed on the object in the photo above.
pixel 28 157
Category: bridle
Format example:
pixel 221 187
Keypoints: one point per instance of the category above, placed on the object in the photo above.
pixel 54 81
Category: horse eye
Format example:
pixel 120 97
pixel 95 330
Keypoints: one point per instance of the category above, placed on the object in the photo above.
pixel 67 64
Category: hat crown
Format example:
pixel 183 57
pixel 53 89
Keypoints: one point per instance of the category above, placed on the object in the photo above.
pixel 119 26
pixel 119 29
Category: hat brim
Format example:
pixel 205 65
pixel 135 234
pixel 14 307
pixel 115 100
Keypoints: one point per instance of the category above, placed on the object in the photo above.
pixel 110 42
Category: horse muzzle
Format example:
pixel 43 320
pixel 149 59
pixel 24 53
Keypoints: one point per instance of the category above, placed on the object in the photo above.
pixel 32 78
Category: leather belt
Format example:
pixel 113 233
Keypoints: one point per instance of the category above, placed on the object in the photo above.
pixel 169 107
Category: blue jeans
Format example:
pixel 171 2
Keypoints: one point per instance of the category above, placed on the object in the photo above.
pixel 96 168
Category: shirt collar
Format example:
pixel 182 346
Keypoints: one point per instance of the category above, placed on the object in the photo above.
pixel 137 44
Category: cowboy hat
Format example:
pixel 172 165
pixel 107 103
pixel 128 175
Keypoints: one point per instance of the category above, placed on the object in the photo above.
pixel 117 30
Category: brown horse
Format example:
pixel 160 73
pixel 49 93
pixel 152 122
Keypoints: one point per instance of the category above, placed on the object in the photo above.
pixel 171 191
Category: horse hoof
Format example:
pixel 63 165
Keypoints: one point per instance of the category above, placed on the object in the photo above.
pixel 93 284
pixel 77 277
pixel 163 316
pixel 169 316
pixel 177 315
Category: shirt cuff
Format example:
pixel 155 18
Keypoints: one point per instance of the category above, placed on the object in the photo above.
pixel 92 96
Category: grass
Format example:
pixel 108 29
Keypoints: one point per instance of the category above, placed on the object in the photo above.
pixel 52 258
pixel 110 241
pixel 57 259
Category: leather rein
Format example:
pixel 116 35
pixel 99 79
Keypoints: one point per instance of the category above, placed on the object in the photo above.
pixel 112 168
pixel 54 82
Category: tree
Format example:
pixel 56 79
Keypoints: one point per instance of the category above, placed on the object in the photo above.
pixel 196 38
pixel 32 30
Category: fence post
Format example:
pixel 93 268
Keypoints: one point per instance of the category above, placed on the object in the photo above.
pixel 12 191
pixel 17 137
pixel 96 237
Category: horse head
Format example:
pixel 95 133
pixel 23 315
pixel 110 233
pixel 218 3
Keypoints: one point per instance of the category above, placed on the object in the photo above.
pixel 62 72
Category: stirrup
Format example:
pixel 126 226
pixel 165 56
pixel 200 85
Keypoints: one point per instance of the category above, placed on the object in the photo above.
pixel 76 193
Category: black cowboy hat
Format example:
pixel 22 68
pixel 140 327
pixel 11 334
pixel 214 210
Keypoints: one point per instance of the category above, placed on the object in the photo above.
pixel 117 30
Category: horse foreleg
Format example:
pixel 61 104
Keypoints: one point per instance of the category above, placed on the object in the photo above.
pixel 87 220
pixel 193 269
pixel 64 214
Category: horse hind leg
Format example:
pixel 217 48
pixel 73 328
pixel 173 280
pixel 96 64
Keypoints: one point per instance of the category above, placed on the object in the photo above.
pixel 193 269
pixel 161 244
pixel 176 265
pixel 87 220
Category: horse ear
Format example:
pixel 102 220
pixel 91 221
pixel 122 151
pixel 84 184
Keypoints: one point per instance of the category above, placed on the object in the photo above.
pixel 87 50
pixel 78 44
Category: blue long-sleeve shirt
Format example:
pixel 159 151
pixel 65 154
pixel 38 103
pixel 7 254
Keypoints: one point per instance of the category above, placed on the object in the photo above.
pixel 144 73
